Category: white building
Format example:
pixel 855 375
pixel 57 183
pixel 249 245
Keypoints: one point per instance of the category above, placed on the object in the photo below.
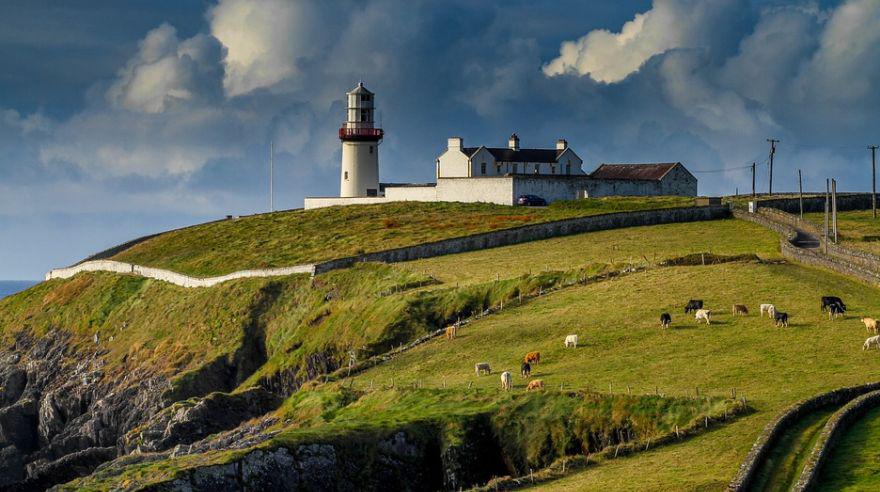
pixel 488 174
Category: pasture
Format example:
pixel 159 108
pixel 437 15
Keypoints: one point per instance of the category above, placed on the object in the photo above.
pixel 622 349
pixel 855 461
pixel 304 236
pixel 856 228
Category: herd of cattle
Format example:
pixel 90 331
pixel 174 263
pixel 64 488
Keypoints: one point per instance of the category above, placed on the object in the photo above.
pixel 833 305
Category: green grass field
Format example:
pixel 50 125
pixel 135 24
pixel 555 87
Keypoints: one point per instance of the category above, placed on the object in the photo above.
pixel 622 348
pixel 856 228
pixel 855 460
pixel 304 236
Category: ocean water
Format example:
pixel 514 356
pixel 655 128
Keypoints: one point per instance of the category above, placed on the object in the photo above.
pixel 9 287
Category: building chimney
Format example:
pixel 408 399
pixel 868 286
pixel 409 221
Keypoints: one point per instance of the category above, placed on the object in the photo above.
pixel 513 142
pixel 455 143
pixel 561 144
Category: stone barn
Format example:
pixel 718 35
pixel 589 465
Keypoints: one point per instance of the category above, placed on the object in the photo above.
pixel 641 179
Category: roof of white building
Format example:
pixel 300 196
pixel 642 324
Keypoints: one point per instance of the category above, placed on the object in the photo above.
pixel 504 154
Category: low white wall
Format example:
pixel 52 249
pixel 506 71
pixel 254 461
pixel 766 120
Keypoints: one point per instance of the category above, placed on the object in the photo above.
pixel 173 277
pixel 471 190
pixel 318 202
pixel 411 193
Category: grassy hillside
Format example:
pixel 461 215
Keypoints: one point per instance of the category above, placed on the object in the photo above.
pixel 854 463
pixel 305 236
pixel 856 228
pixel 623 349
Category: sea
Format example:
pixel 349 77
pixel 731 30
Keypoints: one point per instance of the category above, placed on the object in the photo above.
pixel 9 287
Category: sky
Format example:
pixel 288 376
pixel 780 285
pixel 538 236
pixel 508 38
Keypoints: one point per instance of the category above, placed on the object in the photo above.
pixel 119 119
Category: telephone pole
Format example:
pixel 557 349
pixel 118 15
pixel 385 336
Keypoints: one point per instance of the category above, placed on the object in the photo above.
pixel 801 193
pixel 753 179
pixel 773 143
pixel 827 208
pixel 271 176
pixel 873 149
pixel 834 207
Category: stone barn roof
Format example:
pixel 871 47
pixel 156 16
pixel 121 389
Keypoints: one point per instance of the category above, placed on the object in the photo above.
pixel 634 172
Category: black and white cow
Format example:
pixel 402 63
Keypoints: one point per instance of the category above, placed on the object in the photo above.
pixel 781 318
pixel 665 320
pixel 693 305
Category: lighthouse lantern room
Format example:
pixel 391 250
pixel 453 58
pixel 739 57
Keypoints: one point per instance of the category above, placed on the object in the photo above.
pixel 360 146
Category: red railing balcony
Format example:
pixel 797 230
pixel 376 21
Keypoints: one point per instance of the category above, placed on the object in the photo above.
pixel 361 133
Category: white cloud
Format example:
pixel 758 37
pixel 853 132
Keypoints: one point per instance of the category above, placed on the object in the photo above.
pixel 265 39
pixel 167 73
pixel 610 57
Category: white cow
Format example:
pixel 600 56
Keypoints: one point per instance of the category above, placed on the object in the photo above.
pixel 571 341
pixel 703 314
pixel 873 341
pixel 506 381
pixel 770 309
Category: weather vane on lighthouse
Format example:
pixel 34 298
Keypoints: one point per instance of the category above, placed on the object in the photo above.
pixel 360 146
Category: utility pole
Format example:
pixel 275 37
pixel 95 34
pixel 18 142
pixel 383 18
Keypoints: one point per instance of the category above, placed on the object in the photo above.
pixel 801 193
pixel 834 207
pixel 825 242
pixel 271 176
pixel 873 149
pixel 753 179
pixel 773 143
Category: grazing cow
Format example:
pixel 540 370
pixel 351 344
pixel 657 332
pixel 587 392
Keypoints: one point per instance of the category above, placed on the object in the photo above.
pixel 693 305
pixel 703 314
pixel 781 319
pixel 665 320
pixel 873 341
pixel 482 367
pixel 535 384
pixel 769 309
pixel 740 309
pixel 506 381
pixel 835 310
pixel 532 358
pixel 571 341
pixel 451 332
pixel 829 300
pixel 525 369
pixel 870 325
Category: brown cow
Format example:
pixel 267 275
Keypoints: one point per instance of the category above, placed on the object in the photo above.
pixel 532 358
pixel 451 332
pixel 535 384
pixel 740 309
pixel 870 325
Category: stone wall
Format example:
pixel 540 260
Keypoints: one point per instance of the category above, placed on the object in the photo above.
pixel 311 202
pixel 504 237
pixel 845 201
pixel 534 232
pixel 836 426
pixel 773 430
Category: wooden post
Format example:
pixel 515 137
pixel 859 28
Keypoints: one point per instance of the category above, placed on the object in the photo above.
pixel 827 209
pixel 801 193
pixel 834 207
pixel 873 149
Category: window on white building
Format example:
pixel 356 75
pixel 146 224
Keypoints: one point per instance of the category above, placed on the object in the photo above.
pixel 483 168
pixel 568 169
pixel 515 168
pixel 345 176
pixel 371 149
pixel 497 168
pixel 552 168
pixel 537 168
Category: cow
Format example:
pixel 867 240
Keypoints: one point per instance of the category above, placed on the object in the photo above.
pixel 781 319
pixel 451 332
pixel 835 310
pixel 571 341
pixel 665 320
pixel 693 305
pixel 506 381
pixel 829 300
pixel 740 309
pixel 870 325
pixel 535 384
pixel 769 309
pixel 482 367
pixel 873 341
pixel 525 369
pixel 532 358
pixel 703 314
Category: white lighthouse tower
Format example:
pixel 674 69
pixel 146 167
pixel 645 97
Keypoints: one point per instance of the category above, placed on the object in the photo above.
pixel 360 146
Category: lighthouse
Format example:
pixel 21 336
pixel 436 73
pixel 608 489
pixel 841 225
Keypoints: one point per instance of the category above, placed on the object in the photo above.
pixel 360 146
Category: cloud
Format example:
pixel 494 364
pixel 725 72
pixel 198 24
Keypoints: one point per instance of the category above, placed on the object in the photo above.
pixel 610 57
pixel 266 40
pixel 167 73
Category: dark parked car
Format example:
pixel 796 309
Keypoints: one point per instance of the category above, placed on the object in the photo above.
pixel 531 201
